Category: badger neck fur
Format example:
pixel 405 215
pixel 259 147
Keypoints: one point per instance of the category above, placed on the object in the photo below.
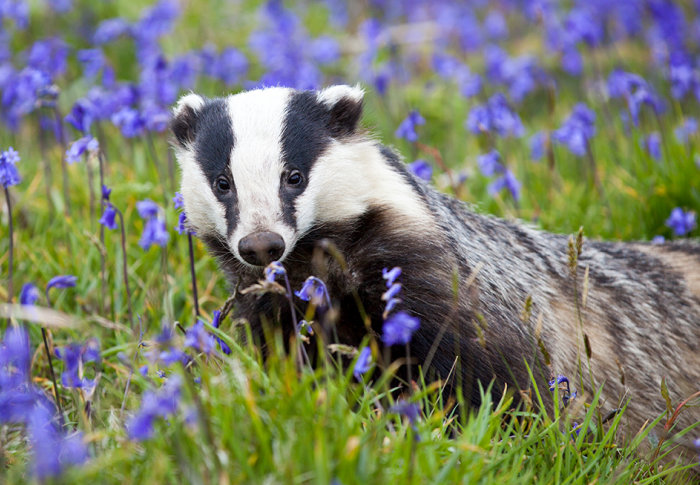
pixel 271 173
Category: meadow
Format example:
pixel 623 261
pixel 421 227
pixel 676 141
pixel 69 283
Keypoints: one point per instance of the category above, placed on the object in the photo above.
pixel 119 359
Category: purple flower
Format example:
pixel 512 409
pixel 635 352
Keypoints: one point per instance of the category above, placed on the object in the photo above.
pixel 147 209
pixel 658 240
pixel 562 382
pixel 181 226
pixel 686 129
pixel 398 328
pixel 538 143
pixel 391 275
pixel 178 201
pixel 506 181
pixel 8 172
pixel 652 143
pixel 109 30
pixel 273 270
pixel 635 90
pixel 109 215
pixel 15 360
pixel 22 94
pixel 198 338
pixel 163 403
pixel 154 231
pixel 29 294
pixel 410 410
pixel 80 146
pixel 577 130
pixel 407 128
pixel 490 163
pixel 81 115
pixel 61 6
pixel 421 169
pixel 106 192
pixel 363 362
pixel 215 323
pixel 495 25
pixel 92 60
pixel 52 450
pixel 129 121
pixel 49 55
pixel 681 222
pixel 314 291
pixel 496 116
pixel 72 357
pixel 62 281
pixel 232 66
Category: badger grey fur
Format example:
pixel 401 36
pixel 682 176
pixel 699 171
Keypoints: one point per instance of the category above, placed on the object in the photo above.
pixel 294 165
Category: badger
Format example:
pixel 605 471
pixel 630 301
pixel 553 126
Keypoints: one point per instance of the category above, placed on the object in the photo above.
pixel 275 174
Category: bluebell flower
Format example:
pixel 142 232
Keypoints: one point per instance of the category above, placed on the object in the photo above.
pixel 61 6
pixel 179 201
pixel 577 130
pixel 215 323
pixel 154 231
pixel 506 181
pixel 274 270
pixel 29 294
pixel 363 362
pixel 17 10
pixel 391 275
pixel 537 145
pixel 398 328
pixel 409 410
pixel 163 403
pixel 156 21
pixel 652 143
pixel 62 281
pixel 683 78
pixel 92 60
pixel 49 55
pixel 109 30
pixel 686 129
pixel 658 239
pixel 562 382
pixel 147 209
pixel 490 163
pixel 81 115
pixel 496 116
pixel 71 355
pixel 231 66
pixel 52 450
pixel 198 338
pixel 314 291
pixel 81 146
pixel 15 361
pixel 155 117
pixel 391 293
pixel 681 222
pixel 495 25
pixel 407 128
pixel 325 49
pixel 8 172
pixel 181 226
pixel 421 169
pixel 106 192
pixel 129 122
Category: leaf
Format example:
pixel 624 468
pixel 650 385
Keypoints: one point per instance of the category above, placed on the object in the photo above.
pixel 666 396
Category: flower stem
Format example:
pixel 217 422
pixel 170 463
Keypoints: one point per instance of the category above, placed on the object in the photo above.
pixel 64 166
pixel 124 267
pixel 48 356
pixel 103 264
pixel 194 278
pixel 10 291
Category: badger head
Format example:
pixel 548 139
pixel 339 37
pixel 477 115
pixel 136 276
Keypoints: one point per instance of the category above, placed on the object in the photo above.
pixel 262 168
pixel 250 179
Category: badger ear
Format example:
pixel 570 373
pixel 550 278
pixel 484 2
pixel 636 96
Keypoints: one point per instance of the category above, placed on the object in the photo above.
pixel 184 122
pixel 345 108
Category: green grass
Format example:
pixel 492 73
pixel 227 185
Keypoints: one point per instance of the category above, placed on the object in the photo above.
pixel 270 422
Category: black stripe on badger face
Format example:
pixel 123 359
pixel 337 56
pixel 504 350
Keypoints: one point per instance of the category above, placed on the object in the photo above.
pixel 305 136
pixel 213 143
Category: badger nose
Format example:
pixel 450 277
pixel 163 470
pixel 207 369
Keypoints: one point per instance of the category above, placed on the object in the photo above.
pixel 261 248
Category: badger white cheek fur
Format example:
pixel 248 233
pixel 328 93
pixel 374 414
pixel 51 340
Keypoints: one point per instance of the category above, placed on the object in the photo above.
pixel 204 212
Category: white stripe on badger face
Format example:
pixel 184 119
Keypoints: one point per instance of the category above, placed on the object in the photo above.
pixel 257 119
pixel 348 179
pixel 204 211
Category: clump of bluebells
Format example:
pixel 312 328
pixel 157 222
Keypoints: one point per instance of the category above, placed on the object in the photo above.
pixel 154 231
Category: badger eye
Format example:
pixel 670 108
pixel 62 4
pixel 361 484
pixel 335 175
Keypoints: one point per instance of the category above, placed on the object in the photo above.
pixel 295 178
pixel 222 184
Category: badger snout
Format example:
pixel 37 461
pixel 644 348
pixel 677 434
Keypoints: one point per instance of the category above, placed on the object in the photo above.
pixel 261 248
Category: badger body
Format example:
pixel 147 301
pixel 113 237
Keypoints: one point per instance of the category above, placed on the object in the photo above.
pixel 279 174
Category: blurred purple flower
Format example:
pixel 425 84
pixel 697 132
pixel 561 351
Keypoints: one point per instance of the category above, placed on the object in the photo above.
pixel 215 323
pixel 274 270
pixel 496 116
pixel 363 362
pixel 391 275
pixel 506 181
pixel 538 144
pixel 156 21
pixel 325 49
pixel 490 163
pixel 61 6
pixel 109 30
pixel 80 146
pixel 52 451
pixel 314 290
pixel 232 66
pixel 49 55
pixel 154 117
pixel 658 240
pixel 407 128
pixel 92 60
pixel 409 410
pixel 163 403
pixel 686 129
pixel 61 282
pixel 129 121
pixel 681 222
pixel 398 328
pixel 147 209
pixel 421 169
pixel 198 338
pixel 29 294
pixel 391 293
pixel 577 130
pixel 154 231
pixel 109 215
pixel 9 175
pixel 652 143
pixel 81 115
pixel 635 90
pixel 22 92
pixel 72 357
pixel 495 25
